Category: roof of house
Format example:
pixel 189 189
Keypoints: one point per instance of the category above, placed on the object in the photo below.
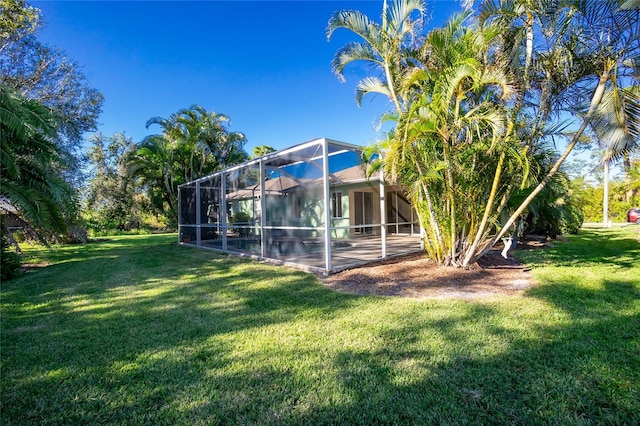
pixel 354 174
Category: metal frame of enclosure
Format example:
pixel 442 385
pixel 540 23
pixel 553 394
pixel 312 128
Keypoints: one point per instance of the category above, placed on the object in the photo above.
pixel 310 205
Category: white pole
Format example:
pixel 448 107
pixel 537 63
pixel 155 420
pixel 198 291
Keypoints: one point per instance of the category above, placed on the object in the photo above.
pixel 198 215
pixel 263 211
pixel 605 201
pixel 223 208
pixel 180 214
pixel 383 217
pixel 327 205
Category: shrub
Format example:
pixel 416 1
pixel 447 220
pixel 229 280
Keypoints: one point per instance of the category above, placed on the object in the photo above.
pixel 10 260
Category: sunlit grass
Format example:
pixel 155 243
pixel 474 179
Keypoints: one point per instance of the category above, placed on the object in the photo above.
pixel 138 330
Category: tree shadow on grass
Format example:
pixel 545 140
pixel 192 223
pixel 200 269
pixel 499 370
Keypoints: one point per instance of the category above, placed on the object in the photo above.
pixel 148 320
pixel 583 371
pixel 193 339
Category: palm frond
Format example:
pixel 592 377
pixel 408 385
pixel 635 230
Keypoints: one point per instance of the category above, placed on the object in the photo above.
pixel 398 16
pixel 351 52
pixel 617 122
pixel 355 21
pixel 371 85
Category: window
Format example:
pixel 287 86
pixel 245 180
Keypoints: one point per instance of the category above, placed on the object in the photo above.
pixel 336 205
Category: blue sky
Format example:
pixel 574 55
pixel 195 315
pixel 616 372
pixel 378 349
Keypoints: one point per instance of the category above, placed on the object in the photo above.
pixel 266 64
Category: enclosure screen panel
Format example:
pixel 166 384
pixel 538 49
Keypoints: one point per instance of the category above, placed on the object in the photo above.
pixel 294 208
pixel 187 205
pixel 276 207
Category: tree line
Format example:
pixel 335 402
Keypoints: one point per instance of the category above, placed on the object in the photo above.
pixel 135 185
pixel 52 191
pixel 478 107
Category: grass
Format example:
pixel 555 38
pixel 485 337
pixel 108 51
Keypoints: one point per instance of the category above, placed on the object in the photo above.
pixel 137 330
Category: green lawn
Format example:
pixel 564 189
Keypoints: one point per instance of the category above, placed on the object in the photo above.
pixel 137 330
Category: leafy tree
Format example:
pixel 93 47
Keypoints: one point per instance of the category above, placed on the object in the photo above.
pixel 17 20
pixel 45 74
pixel 624 186
pixel 259 151
pixel 193 143
pixel 113 198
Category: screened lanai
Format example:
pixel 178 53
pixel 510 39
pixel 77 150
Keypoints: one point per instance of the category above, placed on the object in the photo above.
pixel 310 205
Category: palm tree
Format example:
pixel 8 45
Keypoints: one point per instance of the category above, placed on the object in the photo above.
pixel 392 48
pixel 456 123
pixel 30 161
pixel 473 105
pixel 154 162
pixel 445 97
pixel 389 46
pixel 222 146
pixel 193 143
pixel 589 71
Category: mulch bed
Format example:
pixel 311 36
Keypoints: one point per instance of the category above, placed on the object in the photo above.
pixel 418 277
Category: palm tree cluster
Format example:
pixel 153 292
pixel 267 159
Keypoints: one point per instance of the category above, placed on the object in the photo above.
pixel 193 143
pixel 479 104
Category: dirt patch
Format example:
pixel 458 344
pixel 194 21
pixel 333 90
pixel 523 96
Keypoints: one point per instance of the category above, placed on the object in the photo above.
pixel 417 277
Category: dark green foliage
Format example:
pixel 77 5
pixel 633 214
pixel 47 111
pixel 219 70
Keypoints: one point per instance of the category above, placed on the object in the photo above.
pixel 557 210
pixel 558 219
pixel 10 264
pixel 9 259
pixel 30 178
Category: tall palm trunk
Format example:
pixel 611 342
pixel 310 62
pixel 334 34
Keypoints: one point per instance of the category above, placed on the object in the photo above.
pixel 529 48
pixel 449 185
pixel 487 212
pixel 595 101
pixel 435 224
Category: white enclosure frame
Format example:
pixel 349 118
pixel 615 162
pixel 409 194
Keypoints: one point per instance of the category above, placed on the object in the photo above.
pixel 311 169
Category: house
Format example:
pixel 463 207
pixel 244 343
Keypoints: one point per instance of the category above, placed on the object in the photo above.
pixel 311 205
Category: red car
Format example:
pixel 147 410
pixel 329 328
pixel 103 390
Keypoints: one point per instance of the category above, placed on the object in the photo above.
pixel 633 215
